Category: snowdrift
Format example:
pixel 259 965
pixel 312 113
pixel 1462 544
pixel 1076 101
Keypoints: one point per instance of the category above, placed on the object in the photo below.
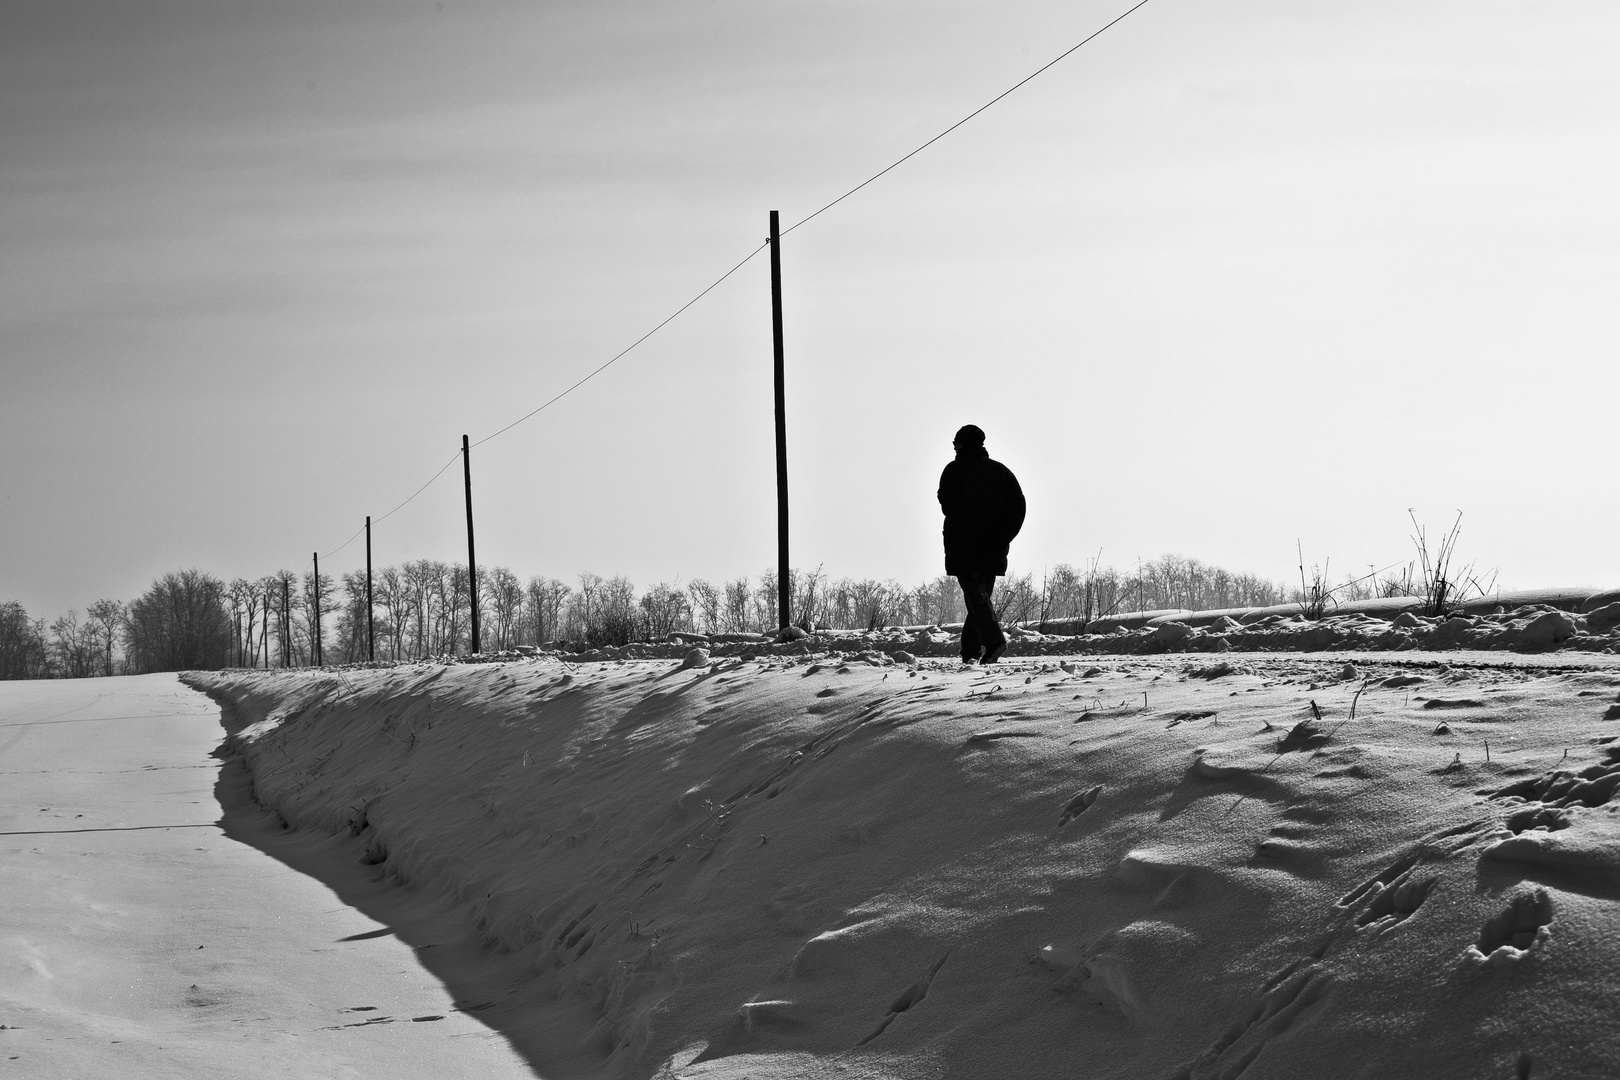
pixel 1176 867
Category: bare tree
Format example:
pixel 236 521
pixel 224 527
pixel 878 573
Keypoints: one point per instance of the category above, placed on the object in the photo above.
pixel 809 597
pixel 734 616
pixel 316 605
pixel 457 600
pixel 869 604
pixel 664 610
pixel 179 623
pixel 705 601
pixel 242 598
pixel 421 583
pixel 23 652
pixel 73 647
pixel 285 599
pixel 394 597
pixel 938 601
pixel 613 622
pixel 350 643
pixel 544 600
pixel 762 613
pixel 902 605
pixel 503 595
pixel 583 606
pixel 108 618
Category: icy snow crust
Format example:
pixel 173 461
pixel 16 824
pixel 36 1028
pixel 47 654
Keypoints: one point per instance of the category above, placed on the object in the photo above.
pixel 1184 867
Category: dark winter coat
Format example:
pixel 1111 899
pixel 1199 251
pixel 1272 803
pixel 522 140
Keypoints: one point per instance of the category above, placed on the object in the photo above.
pixel 984 509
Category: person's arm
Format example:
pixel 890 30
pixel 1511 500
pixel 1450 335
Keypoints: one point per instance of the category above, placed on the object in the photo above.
pixel 1015 506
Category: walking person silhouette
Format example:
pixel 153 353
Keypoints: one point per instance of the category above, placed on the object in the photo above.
pixel 984 509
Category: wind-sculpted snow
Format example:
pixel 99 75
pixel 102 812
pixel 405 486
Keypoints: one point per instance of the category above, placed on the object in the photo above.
pixel 1158 867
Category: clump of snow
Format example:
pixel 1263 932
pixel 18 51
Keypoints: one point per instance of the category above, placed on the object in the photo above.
pixel 1603 619
pixel 1149 867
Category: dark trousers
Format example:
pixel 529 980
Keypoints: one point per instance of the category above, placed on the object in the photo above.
pixel 980 631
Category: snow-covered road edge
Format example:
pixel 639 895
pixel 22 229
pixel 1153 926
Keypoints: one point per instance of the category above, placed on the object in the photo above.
pixel 752 863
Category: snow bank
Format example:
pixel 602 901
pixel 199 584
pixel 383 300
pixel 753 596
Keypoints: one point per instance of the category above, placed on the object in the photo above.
pixel 1539 628
pixel 1531 621
pixel 1141 868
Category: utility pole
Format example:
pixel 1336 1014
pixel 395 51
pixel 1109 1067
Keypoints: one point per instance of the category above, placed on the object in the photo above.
pixel 371 635
pixel 286 627
pixel 472 561
pixel 316 599
pixel 784 585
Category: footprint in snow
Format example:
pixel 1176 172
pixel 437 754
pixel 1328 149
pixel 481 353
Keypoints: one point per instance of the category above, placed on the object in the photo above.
pixel 1511 934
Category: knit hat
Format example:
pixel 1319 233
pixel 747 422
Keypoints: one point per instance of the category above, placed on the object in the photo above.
pixel 969 435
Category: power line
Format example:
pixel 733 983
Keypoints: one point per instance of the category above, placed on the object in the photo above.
pixel 417 492
pixel 345 543
pixel 626 349
pixel 1032 75
pixel 1045 67
pixel 401 506
pixel 558 397
pixel 965 119
pixel 552 401
pixel 749 257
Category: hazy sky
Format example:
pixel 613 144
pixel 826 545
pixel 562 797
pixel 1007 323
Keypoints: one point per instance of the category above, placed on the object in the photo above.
pixel 1235 274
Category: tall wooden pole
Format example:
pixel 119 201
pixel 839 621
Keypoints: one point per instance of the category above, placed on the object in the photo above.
pixel 371 633
pixel 472 560
pixel 286 625
pixel 784 584
pixel 317 602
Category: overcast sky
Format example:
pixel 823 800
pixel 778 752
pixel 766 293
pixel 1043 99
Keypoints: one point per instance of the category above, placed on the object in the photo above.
pixel 1233 275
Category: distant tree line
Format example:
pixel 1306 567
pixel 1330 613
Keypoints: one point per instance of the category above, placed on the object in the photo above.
pixel 190 619
pixel 66 648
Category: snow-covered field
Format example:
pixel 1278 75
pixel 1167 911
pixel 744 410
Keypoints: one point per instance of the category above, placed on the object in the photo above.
pixel 1375 864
